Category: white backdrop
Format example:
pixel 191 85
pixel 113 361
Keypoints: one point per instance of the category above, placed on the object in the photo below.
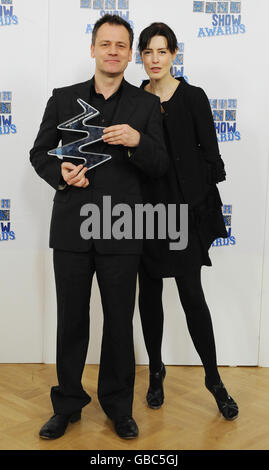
pixel 46 44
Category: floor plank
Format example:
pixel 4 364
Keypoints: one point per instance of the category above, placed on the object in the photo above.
pixel 189 419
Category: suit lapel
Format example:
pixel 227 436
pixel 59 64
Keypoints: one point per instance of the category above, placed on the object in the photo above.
pixel 126 104
pixel 82 91
pixel 124 109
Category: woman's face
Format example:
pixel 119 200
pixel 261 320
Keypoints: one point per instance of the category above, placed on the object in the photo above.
pixel 157 58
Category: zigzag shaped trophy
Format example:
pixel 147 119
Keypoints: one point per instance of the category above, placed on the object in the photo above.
pixel 73 152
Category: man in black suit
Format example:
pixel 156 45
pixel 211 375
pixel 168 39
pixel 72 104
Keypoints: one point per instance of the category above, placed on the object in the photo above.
pixel 133 137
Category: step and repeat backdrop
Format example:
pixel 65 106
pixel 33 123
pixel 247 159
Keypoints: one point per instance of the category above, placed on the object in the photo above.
pixel 222 48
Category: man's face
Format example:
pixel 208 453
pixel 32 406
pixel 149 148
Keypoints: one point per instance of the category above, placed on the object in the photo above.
pixel 111 50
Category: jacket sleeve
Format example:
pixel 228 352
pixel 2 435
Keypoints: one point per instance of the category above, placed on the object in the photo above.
pixel 47 166
pixel 150 156
pixel 206 135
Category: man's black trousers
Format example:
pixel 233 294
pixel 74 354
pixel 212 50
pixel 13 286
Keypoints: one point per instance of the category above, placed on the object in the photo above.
pixel 116 277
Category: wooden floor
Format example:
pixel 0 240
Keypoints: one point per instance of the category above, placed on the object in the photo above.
pixel 189 419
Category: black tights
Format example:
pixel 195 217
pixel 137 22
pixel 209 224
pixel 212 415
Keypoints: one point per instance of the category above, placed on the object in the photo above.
pixel 197 316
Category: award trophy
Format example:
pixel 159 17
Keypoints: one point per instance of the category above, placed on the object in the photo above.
pixel 73 152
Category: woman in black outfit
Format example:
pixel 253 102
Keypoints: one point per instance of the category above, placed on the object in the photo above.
pixel 195 168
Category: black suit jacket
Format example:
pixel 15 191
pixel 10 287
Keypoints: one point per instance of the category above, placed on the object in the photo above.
pixel 195 150
pixel 120 177
pixel 195 168
pixel 192 143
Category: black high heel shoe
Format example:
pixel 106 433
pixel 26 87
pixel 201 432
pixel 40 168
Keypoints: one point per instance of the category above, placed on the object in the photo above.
pixel 226 404
pixel 155 395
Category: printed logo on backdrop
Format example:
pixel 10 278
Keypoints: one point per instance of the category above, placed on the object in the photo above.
pixel 7 17
pixel 178 65
pixel 225 18
pixel 231 240
pixel 104 7
pixel 6 234
pixel 224 115
pixel 6 125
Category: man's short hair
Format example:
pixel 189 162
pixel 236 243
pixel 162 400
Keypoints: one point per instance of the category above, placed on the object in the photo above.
pixel 112 19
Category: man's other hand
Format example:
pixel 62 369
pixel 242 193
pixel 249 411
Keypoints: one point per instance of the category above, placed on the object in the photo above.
pixel 74 175
pixel 121 134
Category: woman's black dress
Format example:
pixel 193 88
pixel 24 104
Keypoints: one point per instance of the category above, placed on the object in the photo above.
pixel 181 134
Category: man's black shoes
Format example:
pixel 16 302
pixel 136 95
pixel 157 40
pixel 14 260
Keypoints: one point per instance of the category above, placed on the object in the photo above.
pixel 56 426
pixel 126 427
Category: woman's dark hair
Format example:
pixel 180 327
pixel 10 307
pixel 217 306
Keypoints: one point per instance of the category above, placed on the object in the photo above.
pixel 157 29
pixel 112 19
